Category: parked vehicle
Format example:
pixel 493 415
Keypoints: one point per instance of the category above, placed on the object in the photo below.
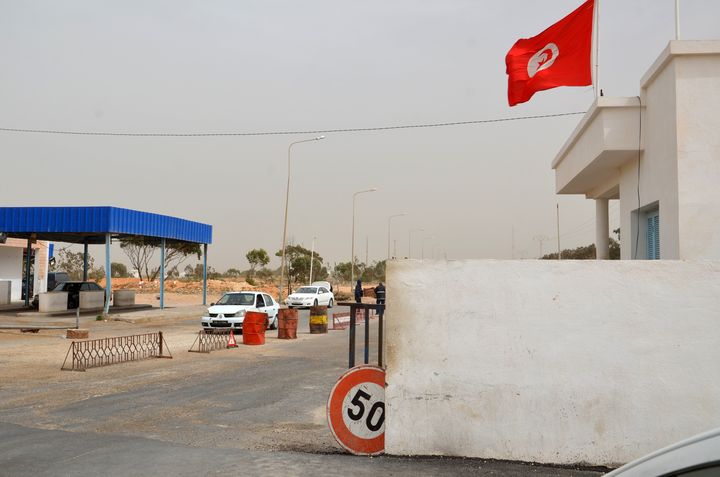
pixel 229 311
pixel 322 284
pixel 310 296
pixel 73 289
pixel 56 278
pixel 53 280
pixel 698 456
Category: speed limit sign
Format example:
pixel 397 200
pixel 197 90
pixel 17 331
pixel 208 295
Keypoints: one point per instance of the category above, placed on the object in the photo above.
pixel 356 410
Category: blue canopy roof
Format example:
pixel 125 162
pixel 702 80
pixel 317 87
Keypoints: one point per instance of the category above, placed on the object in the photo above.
pixel 90 224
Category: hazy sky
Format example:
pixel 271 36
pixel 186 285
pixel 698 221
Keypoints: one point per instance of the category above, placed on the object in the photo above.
pixel 243 66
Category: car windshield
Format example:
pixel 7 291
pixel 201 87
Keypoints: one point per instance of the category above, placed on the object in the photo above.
pixel 65 286
pixel 310 290
pixel 237 299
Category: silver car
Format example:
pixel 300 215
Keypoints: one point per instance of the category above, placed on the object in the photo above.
pixel 697 456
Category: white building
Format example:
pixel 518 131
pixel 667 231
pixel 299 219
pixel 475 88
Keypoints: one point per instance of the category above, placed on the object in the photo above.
pixel 578 361
pixel 672 129
pixel 12 265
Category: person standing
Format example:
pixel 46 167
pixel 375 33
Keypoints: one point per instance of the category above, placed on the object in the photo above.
pixel 358 292
pixel 380 297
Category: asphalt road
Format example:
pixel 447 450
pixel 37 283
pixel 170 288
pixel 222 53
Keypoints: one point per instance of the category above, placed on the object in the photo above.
pixel 251 410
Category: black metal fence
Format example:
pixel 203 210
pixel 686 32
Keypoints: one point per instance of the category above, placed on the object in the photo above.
pixel 121 349
pixel 210 341
pixel 364 310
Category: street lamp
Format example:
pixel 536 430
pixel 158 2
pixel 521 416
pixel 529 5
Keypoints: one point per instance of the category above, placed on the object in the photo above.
pixel 389 219
pixel 312 254
pixel 287 198
pixel 410 240
pixel 352 258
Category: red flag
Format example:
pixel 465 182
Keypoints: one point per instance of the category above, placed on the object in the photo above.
pixel 559 56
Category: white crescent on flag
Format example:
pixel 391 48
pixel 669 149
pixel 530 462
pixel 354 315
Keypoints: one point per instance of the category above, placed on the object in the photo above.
pixel 543 59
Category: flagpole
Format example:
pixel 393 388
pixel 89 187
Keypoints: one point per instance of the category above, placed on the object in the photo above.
pixel 677 19
pixel 596 34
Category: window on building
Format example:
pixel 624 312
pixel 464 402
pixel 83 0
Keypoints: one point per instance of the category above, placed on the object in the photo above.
pixel 652 251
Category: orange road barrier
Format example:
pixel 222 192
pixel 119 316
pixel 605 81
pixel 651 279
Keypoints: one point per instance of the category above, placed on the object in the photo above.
pixel 254 326
pixel 287 324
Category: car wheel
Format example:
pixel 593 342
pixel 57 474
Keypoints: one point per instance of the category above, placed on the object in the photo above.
pixel 330 303
pixel 315 304
pixel 273 325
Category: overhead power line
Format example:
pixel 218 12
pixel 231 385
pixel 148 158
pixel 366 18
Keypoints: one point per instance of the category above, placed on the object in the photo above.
pixel 281 133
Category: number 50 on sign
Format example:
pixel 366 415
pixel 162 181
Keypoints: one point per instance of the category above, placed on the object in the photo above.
pixel 356 410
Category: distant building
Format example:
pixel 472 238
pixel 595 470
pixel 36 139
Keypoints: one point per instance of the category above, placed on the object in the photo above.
pixel 12 254
pixel 673 130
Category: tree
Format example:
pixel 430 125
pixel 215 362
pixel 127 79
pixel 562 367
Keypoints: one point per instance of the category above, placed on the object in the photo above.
pixel 586 252
pixel 118 270
pixel 257 257
pixel 72 263
pixel 140 250
pixel 342 272
pixel 233 273
pixel 189 271
pixel 97 274
pixel 298 260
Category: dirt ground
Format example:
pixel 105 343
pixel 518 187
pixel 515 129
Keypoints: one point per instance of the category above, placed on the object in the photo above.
pixel 184 400
pixel 215 288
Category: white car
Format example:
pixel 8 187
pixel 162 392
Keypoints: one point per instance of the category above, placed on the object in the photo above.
pixel 697 456
pixel 229 311
pixel 310 296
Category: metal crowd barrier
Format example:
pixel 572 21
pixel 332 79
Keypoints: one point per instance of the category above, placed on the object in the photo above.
pixel 364 311
pixel 106 351
pixel 215 340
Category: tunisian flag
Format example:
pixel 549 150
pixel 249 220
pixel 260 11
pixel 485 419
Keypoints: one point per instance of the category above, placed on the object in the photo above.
pixel 559 56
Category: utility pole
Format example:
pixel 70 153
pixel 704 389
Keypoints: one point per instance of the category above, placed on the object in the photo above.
pixel 312 256
pixel 512 255
pixel 558 229
pixel 366 250
pixel 540 239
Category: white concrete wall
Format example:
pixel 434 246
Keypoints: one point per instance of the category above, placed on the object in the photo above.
pixel 564 362
pixel 11 269
pixel 698 116
pixel 123 298
pixel 92 299
pixel 55 301
pixel 5 288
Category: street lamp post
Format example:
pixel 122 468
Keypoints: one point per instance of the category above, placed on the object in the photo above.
pixel 352 258
pixel 312 254
pixel 410 240
pixel 287 199
pixel 389 219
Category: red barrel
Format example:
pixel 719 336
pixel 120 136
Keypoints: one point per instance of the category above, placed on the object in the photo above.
pixel 254 326
pixel 287 324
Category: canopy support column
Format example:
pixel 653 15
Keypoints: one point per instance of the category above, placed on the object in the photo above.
pixel 85 262
pixel 28 255
pixel 204 274
pixel 108 275
pixel 602 235
pixel 162 274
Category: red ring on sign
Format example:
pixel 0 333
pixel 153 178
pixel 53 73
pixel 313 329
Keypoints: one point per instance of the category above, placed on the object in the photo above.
pixel 348 440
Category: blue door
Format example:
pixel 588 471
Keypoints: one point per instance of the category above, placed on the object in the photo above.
pixel 653 236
